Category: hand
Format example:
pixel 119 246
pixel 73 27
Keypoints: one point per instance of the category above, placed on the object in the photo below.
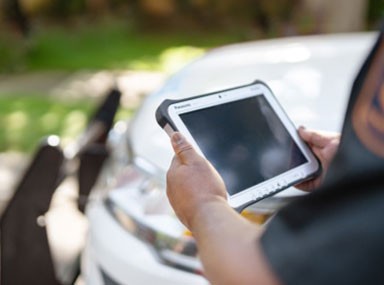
pixel 324 145
pixel 228 243
pixel 192 182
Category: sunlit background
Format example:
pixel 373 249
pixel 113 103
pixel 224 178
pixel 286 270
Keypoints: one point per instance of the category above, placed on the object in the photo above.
pixel 57 57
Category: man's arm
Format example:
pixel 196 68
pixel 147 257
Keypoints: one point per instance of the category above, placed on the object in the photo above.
pixel 228 244
pixel 229 248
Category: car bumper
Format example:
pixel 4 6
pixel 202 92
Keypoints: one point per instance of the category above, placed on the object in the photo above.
pixel 113 256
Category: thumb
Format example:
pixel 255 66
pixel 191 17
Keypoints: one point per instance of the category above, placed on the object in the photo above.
pixel 314 138
pixel 183 149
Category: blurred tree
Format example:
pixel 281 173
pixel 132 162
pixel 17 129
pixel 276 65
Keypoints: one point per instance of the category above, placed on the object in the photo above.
pixel 375 13
pixel 276 18
pixel 269 17
pixel 67 8
pixel 328 19
pixel 164 8
pixel 96 7
pixel 34 7
pixel 16 16
pixel 153 14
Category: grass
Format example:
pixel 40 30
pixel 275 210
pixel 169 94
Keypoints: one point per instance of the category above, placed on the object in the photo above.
pixel 26 117
pixel 114 45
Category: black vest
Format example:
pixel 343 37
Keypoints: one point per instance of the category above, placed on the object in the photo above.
pixel 361 152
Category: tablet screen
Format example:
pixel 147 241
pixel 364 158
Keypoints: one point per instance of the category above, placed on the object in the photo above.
pixel 245 141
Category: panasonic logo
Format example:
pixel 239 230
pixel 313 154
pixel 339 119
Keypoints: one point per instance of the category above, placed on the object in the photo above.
pixel 183 106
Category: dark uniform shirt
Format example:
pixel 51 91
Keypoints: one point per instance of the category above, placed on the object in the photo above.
pixel 335 235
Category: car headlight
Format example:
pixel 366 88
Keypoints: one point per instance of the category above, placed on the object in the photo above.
pixel 140 205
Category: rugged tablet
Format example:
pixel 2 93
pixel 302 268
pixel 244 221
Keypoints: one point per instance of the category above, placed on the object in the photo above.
pixel 248 138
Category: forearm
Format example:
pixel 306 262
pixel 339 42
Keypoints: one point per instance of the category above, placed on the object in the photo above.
pixel 228 246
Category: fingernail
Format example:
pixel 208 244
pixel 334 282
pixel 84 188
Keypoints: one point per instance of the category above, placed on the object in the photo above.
pixel 177 138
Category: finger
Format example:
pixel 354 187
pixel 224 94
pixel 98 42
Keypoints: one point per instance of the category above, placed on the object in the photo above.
pixel 183 149
pixel 313 138
pixel 306 186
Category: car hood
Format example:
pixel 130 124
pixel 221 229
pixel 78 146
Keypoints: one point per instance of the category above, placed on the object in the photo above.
pixel 311 77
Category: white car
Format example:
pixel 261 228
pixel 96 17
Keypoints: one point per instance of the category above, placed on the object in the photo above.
pixel 134 237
